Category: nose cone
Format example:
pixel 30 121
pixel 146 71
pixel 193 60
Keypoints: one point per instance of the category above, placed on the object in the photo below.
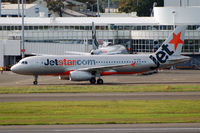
pixel 18 69
pixel 23 69
pixel 14 69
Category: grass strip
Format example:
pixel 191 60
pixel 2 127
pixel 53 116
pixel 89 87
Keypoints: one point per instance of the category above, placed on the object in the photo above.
pixel 99 112
pixel 100 88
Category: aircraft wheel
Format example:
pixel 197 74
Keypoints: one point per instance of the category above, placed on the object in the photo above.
pixel 35 82
pixel 100 81
pixel 92 81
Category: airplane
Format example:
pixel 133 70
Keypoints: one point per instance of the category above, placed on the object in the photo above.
pixel 106 49
pixel 109 49
pixel 92 67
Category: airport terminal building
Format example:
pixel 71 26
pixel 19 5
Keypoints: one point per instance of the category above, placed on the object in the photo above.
pixel 138 34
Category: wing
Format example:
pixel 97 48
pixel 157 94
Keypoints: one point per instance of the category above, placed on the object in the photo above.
pixel 105 68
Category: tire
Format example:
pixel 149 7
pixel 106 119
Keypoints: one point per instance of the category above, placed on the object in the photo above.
pixel 35 82
pixel 92 81
pixel 100 81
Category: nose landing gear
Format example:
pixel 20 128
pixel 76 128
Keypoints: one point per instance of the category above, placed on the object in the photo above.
pixel 35 82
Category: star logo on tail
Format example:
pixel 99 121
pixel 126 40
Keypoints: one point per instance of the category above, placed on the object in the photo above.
pixel 176 40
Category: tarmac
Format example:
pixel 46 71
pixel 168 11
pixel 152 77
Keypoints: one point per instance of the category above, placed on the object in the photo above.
pixel 162 77
pixel 105 128
pixel 100 96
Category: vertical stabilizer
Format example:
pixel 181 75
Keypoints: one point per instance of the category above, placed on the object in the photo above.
pixel 171 47
pixel 175 41
pixel 94 38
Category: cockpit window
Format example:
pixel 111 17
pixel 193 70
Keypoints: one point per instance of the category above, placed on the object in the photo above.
pixel 24 62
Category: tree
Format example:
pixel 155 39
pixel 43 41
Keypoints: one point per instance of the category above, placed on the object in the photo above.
pixel 143 8
pixel 127 6
pixel 92 4
pixel 55 6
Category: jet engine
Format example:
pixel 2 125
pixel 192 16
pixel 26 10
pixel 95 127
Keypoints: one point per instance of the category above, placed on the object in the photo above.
pixel 80 76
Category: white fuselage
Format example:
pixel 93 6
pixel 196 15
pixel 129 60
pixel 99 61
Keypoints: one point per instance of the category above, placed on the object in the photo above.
pixel 60 65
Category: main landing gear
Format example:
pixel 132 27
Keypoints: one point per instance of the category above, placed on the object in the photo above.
pixel 93 79
pixel 100 81
pixel 35 82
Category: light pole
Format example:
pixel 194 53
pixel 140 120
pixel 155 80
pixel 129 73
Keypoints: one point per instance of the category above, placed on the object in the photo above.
pixel 19 8
pixel 152 12
pixel 98 10
pixel 22 49
pixel 92 7
pixel 174 14
pixel 0 8
pixel 108 6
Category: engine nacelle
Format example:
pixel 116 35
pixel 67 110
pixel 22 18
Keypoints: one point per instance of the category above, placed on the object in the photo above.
pixel 80 76
pixel 61 77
